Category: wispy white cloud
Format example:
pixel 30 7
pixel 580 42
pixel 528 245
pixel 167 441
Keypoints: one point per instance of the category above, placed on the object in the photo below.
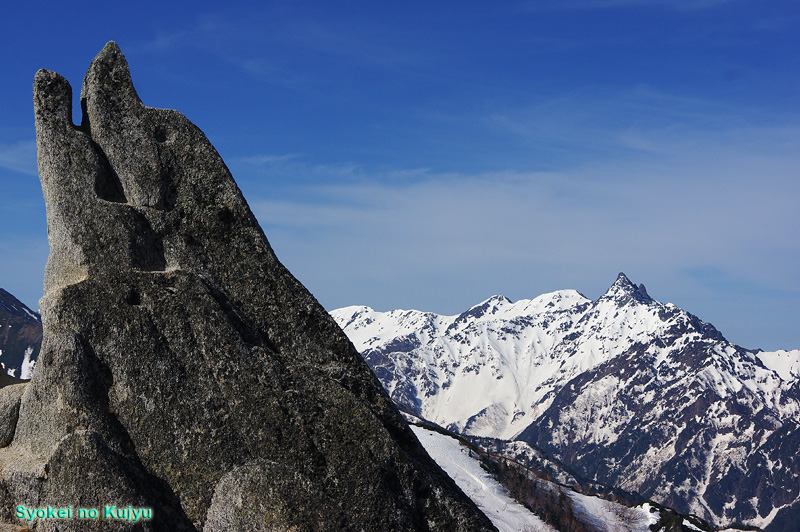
pixel 595 125
pixel 164 41
pixel 289 46
pixel 245 43
pixel 264 159
pixel 19 157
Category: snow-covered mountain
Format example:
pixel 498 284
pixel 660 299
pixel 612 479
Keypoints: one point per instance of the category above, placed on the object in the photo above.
pixel 626 390
pixel 20 336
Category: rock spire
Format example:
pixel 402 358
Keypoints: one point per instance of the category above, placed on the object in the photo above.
pixel 183 368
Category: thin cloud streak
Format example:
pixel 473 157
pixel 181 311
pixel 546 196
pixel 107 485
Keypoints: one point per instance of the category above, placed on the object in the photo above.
pixel 19 157
pixel 265 43
pixel 639 119
pixel 264 159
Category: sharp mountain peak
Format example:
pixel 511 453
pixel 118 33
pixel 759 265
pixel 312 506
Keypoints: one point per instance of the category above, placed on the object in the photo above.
pixel 624 290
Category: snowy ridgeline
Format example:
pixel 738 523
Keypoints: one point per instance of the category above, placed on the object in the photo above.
pixel 495 368
pixel 510 516
pixel 13 306
pixel 626 390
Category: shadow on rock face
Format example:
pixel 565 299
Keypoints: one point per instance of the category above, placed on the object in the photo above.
pixel 183 368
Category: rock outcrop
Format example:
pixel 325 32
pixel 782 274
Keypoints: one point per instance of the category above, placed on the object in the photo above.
pixel 183 368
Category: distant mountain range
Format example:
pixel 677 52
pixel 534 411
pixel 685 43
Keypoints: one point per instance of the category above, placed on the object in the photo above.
pixel 624 390
pixel 20 336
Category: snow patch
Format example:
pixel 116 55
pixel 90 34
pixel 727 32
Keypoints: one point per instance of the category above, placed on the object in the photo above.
pixel 505 513
pixel 28 365
pixel 785 363
pixel 608 516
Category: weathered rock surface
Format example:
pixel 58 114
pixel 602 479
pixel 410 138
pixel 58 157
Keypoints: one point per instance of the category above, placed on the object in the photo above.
pixel 183 368
pixel 10 395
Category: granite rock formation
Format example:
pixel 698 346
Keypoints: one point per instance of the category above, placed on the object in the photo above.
pixel 183 368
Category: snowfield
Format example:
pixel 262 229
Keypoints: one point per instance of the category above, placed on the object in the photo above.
pixel 509 515
pixel 505 513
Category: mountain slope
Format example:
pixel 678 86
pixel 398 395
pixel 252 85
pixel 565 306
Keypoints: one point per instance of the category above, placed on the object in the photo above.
pixel 460 464
pixel 624 389
pixel 20 336
pixel 586 512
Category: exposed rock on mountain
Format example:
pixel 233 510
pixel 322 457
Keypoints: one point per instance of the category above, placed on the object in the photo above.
pixel 183 368
pixel 20 337
pixel 625 390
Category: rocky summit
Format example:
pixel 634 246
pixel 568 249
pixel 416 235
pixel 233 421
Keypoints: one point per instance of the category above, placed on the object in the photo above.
pixel 186 380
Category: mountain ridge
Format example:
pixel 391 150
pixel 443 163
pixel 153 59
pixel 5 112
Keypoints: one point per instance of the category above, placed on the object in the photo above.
pixel 16 307
pixel 586 379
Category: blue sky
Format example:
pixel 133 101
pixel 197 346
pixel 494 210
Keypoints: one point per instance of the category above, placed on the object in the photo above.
pixel 431 154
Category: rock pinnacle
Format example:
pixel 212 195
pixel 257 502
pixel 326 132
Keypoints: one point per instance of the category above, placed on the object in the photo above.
pixel 183 368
